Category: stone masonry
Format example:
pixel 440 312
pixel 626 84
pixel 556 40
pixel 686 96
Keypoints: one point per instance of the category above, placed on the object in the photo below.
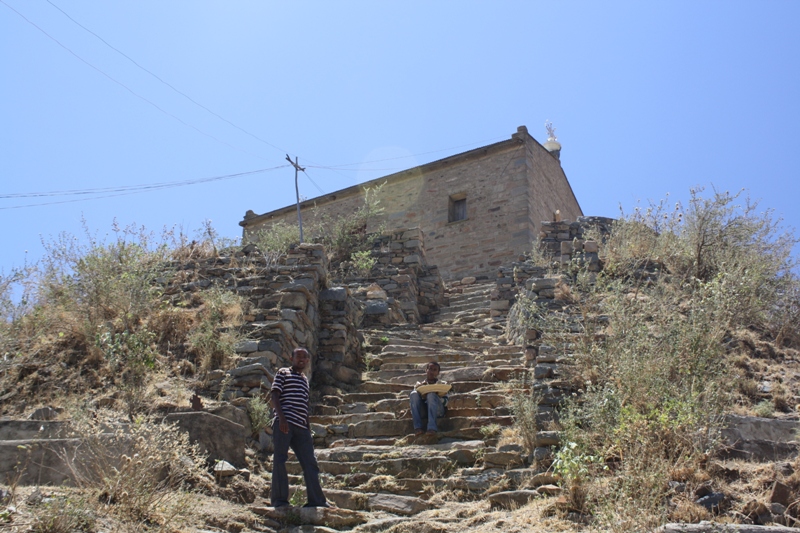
pixel 477 210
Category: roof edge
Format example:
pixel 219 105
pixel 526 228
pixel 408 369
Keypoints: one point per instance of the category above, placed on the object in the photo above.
pixel 251 218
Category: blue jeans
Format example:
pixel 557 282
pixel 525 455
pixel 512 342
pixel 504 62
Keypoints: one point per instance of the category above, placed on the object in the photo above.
pixel 302 444
pixel 430 407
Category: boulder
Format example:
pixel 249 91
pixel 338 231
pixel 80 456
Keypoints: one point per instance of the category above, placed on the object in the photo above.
pixel 217 436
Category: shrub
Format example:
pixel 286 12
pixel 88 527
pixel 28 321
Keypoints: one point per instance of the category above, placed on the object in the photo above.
pixel 140 471
pixel 275 240
pixel 524 405
pixel 65 514
pixel 651 363
pixel 362 262
pixel 344 235
pixel 260 414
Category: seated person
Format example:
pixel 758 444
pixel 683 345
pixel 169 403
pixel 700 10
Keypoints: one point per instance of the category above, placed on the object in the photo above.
pixel 429 399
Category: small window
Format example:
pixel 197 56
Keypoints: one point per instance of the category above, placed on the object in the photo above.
pixel 458 208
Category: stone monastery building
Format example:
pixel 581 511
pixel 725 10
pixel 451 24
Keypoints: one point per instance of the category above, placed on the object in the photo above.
pixel 477 210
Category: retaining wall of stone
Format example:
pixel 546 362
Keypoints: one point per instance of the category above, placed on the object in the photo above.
pixel 291 306
pixel 566 243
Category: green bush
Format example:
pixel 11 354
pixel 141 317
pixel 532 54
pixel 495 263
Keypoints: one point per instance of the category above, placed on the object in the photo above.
pixel 275 240
pixel 344 235
pixel 260 414
pixel 362 262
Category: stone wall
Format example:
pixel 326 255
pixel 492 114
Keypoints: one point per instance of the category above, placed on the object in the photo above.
pixel 291 306
pixel 284 310
pixel 564 241
pixel 402 288
pixel 506 186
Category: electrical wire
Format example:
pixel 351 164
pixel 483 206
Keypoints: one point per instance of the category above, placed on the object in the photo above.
pixel 134 93
pixel 192 100
pixel 314 182
pixel 126 189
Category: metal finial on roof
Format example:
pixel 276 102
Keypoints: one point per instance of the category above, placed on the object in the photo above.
pixel 552 145
pixel 551 131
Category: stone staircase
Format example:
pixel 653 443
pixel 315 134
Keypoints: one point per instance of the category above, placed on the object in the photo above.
pixel 368 456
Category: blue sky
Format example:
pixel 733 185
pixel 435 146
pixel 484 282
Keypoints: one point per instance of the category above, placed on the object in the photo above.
pixel 648 98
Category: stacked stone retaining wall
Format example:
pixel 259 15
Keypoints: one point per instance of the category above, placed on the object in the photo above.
pixel 290 306
pixel 566 243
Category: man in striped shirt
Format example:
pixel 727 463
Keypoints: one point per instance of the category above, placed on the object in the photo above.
pixel 291 428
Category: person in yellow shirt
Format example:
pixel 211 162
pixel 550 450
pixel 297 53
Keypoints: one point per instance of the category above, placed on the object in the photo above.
pixel 429 400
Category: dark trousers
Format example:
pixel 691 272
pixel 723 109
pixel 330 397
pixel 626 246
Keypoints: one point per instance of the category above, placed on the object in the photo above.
pixel 302 444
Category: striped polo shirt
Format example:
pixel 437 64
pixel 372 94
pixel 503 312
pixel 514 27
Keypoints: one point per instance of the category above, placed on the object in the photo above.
pixel 293 387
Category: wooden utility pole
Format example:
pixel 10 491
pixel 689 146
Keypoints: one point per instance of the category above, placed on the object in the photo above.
pixel 297 168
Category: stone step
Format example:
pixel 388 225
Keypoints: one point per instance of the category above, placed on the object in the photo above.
pixel 393 369
pixel 460 452
pixel 395 341
pixel 392 502
pixel 423 359
pixel 506 350
pixel 411 348
pixel 329 420
pixel 412 367
pixel 399 408
pixel 467 298
pixel 410 376
pixel 462 316
pixel 368 397
pixel 399 467
pixel 472 301
pixel 453 354
pixel 469 373
pixel 378 386
pixel 483 286
pixel 363 441
pixel 463 428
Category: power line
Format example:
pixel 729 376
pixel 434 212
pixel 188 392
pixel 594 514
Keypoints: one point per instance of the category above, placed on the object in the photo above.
pixel 195 102
pixel 137 95
pixel 314 182
pixel 125 189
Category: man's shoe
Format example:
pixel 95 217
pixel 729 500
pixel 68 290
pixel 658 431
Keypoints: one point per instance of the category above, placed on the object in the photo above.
pixel 431 432
pixel 326 504
pixel 418 432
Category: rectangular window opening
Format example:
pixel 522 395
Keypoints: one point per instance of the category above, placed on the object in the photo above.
pixel 458 207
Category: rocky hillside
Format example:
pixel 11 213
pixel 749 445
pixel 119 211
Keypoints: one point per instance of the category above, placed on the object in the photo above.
pixel 629 376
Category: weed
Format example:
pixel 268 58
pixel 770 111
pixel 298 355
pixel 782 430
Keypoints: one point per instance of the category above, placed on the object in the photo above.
pixel 140 470
pixel 362 262
pixel 524 404
pixel 65 514
pixel 574 468
pixel 275 241
pixel 213 339
pixel 764 409
pixel 260 414
pixel 344 235
pixel 490 431
pixel 297 497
